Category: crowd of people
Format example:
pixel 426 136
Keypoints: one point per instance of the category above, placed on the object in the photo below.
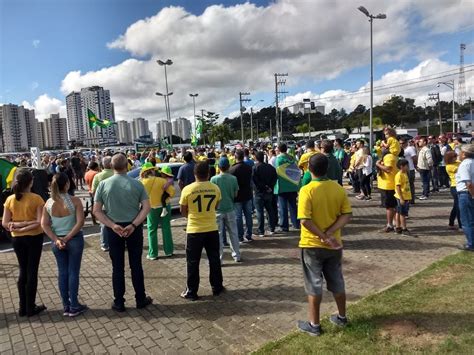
pixel 297 187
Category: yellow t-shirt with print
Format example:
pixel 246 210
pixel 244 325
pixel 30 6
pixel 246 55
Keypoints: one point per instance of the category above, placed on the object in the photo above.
pixel 304 160
pixel 202 199
pixel 154 189
pixel 386 181
pixel 452 169
pixel 393 146
pixel 401 179
pixel 322 202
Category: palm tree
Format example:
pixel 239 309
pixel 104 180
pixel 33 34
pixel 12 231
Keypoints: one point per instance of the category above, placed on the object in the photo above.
pixel 220 133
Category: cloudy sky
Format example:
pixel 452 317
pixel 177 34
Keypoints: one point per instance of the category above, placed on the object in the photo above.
pixel 221 48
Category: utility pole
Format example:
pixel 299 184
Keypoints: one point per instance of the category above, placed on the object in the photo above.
pixel 427 122
pixel 242 109
pixel 278 82
pixel 251 124
pixel 435 97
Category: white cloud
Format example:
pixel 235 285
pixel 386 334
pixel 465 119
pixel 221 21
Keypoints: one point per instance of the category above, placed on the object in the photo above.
pixel 225 50
pixel 349 100
pixel 446 16
pixel 45 105
pixel 35 43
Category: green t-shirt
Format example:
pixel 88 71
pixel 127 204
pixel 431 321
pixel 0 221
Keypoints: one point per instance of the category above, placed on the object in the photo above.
pixel 121 196
pixel 229 186
pixel 104 174
pixel 306 178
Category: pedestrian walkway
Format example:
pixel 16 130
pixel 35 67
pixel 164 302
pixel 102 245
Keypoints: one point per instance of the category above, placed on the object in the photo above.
pixel 265 293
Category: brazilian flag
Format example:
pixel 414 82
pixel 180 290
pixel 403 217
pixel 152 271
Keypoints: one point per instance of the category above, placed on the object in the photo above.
pixel 7 172
pixel 94 121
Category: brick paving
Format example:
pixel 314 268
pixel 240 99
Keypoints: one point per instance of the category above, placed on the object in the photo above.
pixel 265 293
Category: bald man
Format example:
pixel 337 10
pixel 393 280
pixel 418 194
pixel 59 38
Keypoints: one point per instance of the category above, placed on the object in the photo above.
pixel 121 204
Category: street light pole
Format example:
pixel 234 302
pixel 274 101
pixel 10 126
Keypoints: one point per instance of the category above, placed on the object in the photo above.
pixel 166 98
pixel 194 105
pixel 242 109
pixel 450 84
pixel 165 64
pixel 371 19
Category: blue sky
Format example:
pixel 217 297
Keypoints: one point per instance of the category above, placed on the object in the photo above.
pixel 44 40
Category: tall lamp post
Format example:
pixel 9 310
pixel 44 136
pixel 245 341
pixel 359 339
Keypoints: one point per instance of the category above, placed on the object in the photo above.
pixel 194 105
pixel 450 84
pixel 166 97
pixel 308 101
pixel 371 19
pixel 165 64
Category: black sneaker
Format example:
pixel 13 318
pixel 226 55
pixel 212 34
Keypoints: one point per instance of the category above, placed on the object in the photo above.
pixel 118 307
pixel 36 310
pixel 398 230
pixel 218 291
pixel 74 312
pixel 407 233
pixel 189 296
pixel 146 302
pixel 306 327
pixel 337 320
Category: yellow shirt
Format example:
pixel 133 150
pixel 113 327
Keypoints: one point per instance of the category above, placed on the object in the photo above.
pixel 386 181
pixel 452 169
pixel 304 160
pixel 322 202
pixel 154 189
pixel 202 199
pixel 201 158
pixel 393 145
pixel 401 179
pixel 25 210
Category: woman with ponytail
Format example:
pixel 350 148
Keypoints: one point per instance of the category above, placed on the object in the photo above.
pixel 22 217
pixel 63 218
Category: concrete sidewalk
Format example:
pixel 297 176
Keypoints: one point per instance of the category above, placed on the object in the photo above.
pixel 265 293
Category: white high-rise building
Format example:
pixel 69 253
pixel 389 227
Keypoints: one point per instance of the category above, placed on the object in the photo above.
pixel 14 137
pixel 124 132
pixel 40 134
pixel 163 129
pixel 55 132
pixel 31 128
pixel 75 120
pixel 182 128
pixel 96 99
pixel 141 127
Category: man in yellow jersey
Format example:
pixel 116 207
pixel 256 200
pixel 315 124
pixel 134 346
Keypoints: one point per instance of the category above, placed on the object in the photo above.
pixel 198 203
pixel 324 210
pixel 310 151
pixel 386 184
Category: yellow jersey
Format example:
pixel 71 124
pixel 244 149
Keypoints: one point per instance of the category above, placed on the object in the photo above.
pixel 322 201
pixel 25 210
pixel 386 181
pixel 452 169
pixel 202 199
pixel 154 189
pixel 393 146
pixel 401 179
pixel 304 160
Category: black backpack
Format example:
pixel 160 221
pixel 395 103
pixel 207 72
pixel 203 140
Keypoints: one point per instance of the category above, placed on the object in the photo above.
pixel 436 154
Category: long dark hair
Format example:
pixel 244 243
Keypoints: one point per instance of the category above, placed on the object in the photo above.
pixel 23 179
pixel 58 184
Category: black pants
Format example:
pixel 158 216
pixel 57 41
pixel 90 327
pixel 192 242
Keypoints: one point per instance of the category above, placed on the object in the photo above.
pixel 117 254
pixel 411 178
pixel 455 210
pixel 28 252
pixel 443 177
pixel 365 184
pixel 194 245
pixel 356 180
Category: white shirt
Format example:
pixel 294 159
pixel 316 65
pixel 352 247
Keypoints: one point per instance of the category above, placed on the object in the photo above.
pixel 464 174
pixel 367 169
pixel 410 153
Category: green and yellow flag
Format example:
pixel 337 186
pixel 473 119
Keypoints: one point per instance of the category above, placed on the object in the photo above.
pixel 94 121
pixel 7 172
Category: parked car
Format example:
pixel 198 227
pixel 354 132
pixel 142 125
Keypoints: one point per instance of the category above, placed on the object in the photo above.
pixel 135 173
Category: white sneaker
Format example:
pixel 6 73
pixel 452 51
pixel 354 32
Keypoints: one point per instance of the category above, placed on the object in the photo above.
pixel 164 212
pixel 422 198
pixel 151 257
pixel 269 233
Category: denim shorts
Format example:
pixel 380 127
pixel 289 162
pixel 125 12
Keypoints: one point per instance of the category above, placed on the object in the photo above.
pixel 319 264
pixel 403 209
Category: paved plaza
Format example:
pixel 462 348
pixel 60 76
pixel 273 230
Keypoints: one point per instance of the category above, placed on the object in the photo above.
pixel 265 293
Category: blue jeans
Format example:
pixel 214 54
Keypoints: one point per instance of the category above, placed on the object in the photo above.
pixel 287 200
pixel 425 179
pixel 226 221
pixel 264 201
pixel 246 209
pixel 104 241
pixel 69 266
pixel 466 209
